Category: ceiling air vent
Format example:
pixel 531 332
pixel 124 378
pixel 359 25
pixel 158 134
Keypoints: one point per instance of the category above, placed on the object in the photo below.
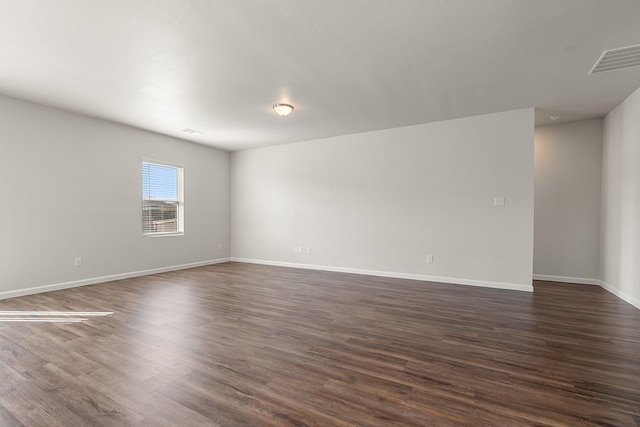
pixel 191 131
pixel 617 59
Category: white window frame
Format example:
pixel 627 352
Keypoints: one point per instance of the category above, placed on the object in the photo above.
pixel 179 200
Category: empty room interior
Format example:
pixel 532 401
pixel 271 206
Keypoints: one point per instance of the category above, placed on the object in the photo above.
pixel 320 213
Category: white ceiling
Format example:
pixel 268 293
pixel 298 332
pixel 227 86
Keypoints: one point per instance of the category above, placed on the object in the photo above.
pixel 348 66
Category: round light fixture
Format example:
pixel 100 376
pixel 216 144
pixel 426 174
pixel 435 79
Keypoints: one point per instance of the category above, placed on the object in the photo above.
pixel 283 109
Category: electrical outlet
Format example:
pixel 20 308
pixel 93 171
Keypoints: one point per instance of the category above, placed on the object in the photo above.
pixel 429 258
pixel 78 262
pixel 498 201
pixel 308 250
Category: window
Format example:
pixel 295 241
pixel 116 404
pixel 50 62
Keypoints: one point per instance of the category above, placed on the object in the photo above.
pixel 162 199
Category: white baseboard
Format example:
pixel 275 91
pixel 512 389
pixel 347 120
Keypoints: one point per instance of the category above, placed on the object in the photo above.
pixel 622 295
pixel 421 277
pixel 584 281
pixel 102 279
pixel 452 280
pixel 566 279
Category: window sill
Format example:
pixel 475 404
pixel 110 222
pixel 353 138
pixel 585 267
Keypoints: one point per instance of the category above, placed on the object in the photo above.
pixel 163 234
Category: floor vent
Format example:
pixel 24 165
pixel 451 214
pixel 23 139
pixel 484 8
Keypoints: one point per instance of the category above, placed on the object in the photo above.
pixel 617 59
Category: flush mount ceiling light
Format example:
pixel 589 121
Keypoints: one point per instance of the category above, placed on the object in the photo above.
pixel 283 109
pixel 554 117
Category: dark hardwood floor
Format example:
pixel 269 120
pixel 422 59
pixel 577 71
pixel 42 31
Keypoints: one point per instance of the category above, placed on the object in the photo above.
pixel 247 345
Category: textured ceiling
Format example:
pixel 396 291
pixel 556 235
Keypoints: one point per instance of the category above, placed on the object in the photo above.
pixel 348 66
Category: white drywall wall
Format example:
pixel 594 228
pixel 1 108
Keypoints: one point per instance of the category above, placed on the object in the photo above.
pixel 568 169
pixel 620 232
pixel 382 201
pixel 72 188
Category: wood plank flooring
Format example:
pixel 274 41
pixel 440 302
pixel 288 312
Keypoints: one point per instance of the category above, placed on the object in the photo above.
pixel 248 345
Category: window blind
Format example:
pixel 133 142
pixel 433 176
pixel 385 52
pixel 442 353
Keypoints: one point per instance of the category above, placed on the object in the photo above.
pixel 162 201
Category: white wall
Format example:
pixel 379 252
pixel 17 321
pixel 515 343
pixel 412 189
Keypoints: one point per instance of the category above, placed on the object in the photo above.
pixel 72 187
pixel 381 201
pixel 620 233
pixel 568 169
